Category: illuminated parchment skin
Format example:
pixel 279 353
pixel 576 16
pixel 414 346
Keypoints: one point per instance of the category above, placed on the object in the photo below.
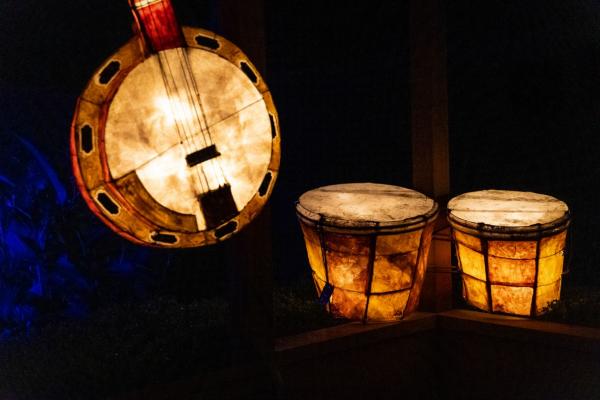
pixel 401 251
pixel 507 208
pixel 516 284
pixel 151 133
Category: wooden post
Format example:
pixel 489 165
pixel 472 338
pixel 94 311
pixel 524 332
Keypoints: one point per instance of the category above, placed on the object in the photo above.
pixel 429 131
pixel 250 252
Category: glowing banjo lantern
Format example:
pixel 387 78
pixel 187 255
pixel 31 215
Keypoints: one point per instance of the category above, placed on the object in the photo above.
pixel 510 247
pixel 367 245
pixel 175 139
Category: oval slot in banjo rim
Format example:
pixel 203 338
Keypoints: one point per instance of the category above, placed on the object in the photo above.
pixel 160 237
pixel 107 203
pixel 245 67
pixel 207 42
pixel 109 72
pixel 226 229
pixel 87 141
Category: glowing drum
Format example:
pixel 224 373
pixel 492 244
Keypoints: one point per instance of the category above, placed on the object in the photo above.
pixel 510 247
pixel 367 246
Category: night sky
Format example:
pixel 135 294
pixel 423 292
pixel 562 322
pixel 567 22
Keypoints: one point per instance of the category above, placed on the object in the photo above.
pixel 523 105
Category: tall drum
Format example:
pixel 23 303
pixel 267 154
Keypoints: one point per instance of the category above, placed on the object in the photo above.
pixel 510 247
pixel 367 246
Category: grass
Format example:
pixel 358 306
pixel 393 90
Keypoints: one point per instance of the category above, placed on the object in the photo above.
pixel 125 347
pixel 119 348
pixel 577 306
pixel 296 310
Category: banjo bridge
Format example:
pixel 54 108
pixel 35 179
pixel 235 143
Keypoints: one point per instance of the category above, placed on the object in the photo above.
pixel 202 155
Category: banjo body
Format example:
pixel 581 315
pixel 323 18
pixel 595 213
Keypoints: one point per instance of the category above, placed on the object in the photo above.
pixel 179 147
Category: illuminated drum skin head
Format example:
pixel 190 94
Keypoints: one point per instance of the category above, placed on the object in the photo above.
pixel 362 205
pixel 369 244
pixel 510 248
pixel 131 135
pixel 507 208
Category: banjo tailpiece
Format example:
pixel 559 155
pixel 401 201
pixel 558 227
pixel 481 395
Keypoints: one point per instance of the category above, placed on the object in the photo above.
pixel 218 206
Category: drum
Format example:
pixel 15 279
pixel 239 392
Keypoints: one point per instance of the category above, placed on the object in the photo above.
pixel 367 246
pixel 510 247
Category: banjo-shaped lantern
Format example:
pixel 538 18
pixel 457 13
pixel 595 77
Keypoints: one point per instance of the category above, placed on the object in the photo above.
pixel 367 246
pixel 510 247
pixel 175 139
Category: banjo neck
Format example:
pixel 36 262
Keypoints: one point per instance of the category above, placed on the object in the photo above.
pixel 157 23
pixel 162 35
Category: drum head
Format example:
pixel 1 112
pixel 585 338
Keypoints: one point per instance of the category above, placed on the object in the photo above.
pixel 366 206
pixel 508 210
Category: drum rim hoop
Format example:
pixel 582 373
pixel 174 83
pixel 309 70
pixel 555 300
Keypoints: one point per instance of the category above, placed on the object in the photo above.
pixel 366 227
pixel 489 231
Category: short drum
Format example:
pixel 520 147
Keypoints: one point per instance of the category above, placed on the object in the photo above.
pixel 510 247
pixel 367 246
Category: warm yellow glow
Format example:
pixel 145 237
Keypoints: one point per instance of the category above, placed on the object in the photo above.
pixel 348 249
pixel 514 271
pixel 516 268
pixel 150 131
pixel 547 294
pixel 472 262
pixel 175 110
pixel 511 299
pixel 381 307
pixel 475 292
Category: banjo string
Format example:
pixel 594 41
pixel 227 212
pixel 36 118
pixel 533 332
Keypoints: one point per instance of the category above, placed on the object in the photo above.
pixel 180 128
pixel 193 98
pixel 195 93
pixel 187 77
pixel 168 89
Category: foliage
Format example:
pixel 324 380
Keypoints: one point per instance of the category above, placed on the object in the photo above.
pixel 578 306
pixel 296 310
pixel 55 260
pixel 122 348
pixel 118 349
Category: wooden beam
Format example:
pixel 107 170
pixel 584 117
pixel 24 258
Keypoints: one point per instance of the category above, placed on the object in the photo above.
pixel 429 97
pixel 243 22
pixel 429 132
pixel 249 253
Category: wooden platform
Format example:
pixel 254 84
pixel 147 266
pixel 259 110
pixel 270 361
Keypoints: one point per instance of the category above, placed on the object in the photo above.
pixel 458 354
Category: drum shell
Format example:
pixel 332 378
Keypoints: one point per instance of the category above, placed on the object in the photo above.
pixel 510 270
pixel 376 272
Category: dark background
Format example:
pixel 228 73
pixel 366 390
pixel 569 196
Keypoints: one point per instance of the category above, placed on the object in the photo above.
pixel 523 106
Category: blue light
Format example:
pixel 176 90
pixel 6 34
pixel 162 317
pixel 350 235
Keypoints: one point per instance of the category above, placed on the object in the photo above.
pixel 54 255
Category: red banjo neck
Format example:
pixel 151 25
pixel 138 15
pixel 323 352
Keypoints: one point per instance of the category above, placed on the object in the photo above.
pixel 157 24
